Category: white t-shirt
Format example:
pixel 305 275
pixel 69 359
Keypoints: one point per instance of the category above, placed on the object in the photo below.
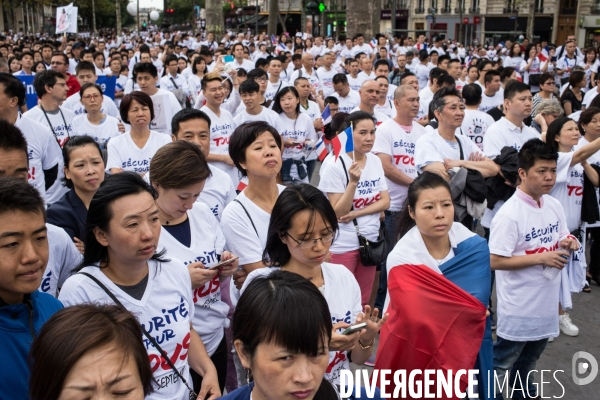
pixel 43 152
pixel 594 159
pixel 101 133
pixel 514 62
pixel 568 189
pixel 166 106
pixel 365 48
pixel 487 102
pixel 386 109
pixel 527 304
pixel 313 78
pixel 266 115
pixel 379 117
pixel 391 90
pixel 167 84
pixel 124 153
pixel 422 73
pixel 355 83
pixel 342 293
pixel 365 77
pixel 326 80
pixel 300 129
pixel 241 237
pixel 426 93
pixel 393 140
pixel 566 63
pixel 62 130
pixel 274 88
pixel 221 128
pixel 194 85
pixel 589 96
pixel 348 103
pixel 218 191
pixel 475 125
pixel 370 185
pixel 74 104
pixel 63 257
pixel 206 243
pixel 246 64
pixel 165 311
pixel 431 148
pixel 535 69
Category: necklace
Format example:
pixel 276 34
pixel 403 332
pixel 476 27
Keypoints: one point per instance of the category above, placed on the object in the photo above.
pixel 266 206
pixel 439 262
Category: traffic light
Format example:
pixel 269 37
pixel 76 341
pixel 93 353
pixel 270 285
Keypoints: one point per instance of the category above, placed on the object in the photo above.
pixel 170 11
pixel 321 7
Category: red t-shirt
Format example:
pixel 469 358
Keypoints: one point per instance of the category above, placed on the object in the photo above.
pixel 73 85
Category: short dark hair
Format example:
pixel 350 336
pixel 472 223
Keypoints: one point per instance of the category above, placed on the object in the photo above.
pixel 339 78
pixel 293 200
pixel 515 87
pixel 89 85
pixel 75 331
pixel 436 73
pixel 545 77
pixel 142 67
pixel 249 86
pixel 18 195
pixel 331 100
pixel 12 138
pixel 187 114
pixel 178 164
pixel 13 87
pixel 141 98
pixel 85 66
pixel 489 76
pixel 482 63
pixel 277 100
pixel 406 75
pixel 73 143
pixel 63 55
pixel 46 78
pixel 423 55
pixel 198 61
pixel 534 150
pixel 257 73
pixel 24 54
pixel 381 62
pixel 244 135
pixel 472 94
pixel 261 62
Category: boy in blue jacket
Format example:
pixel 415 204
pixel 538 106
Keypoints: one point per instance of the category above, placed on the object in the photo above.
pixel 23 259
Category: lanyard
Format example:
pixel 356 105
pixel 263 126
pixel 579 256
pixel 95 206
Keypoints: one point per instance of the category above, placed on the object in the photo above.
pixel 50 123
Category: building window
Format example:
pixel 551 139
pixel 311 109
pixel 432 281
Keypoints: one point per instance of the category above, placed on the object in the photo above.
pixel 539 6
pixel 434 4
pixel 475 4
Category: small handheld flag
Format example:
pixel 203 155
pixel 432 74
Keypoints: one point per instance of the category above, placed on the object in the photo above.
pixel 326 116
pixel 273 39
pixel 373 43
pixel 343 142
pixel 321 149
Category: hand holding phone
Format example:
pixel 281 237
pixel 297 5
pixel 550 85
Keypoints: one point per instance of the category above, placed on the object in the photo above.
pixel 354 328
pixel 224 262
pixel 228 59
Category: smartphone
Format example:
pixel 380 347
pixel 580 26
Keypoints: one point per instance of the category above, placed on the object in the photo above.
pixel 553 59
pixel 224 262
pixel 354 328
pixel 228 58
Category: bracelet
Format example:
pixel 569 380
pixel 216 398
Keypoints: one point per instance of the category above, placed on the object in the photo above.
pixel 362 346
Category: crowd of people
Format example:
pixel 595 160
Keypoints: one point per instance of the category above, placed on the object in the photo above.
pixel 185 235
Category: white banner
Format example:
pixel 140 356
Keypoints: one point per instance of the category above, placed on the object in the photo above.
pixel 66 19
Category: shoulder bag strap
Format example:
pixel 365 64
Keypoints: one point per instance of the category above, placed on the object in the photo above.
pixel 462 156
pixel 173 80
pixel 248 214
pixel 148 336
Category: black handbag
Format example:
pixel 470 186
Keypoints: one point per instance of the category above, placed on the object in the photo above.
pixel 534 79
pixel 372 252
pixel 192 394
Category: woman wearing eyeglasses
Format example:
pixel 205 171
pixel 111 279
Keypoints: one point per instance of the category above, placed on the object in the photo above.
pixel 546 92
pixel 94 123
pixel 301 230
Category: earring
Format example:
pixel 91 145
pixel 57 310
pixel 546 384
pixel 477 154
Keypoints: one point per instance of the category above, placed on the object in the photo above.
pixel 248 376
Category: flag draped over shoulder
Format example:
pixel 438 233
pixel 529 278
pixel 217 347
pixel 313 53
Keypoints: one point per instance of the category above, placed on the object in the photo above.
pixel 438 313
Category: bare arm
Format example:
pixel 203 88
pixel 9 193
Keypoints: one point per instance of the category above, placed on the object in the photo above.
pixel 200 362
pixel 393 173
pixel 486 166
pixel 585 152
pixel 568 108
pixel 342 202
pixel 549 259
pixel 437 168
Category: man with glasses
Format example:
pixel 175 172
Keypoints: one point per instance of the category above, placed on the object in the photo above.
pixel 483 66
pixel 60 63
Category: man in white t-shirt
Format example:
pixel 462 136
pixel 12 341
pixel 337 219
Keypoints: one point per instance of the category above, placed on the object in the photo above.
pixel 492 95
pixel 383 69
pixel 86 73
pixel 43 151
pixel 353 77
pixel 395 146
pixel 366 65
pixel 476 122
pixel 529 245
pixel 250 95
pixel 165 103
pixel 307 71
pixel 222 126
pixel 194 126
pixel 348 99
pixel 362 47
pixel 326 74
pixel 369 97
pixel 173 80
pixel 239 60
pixel 275 83
pixel 421 70
pixel 51 89
pixel 442 149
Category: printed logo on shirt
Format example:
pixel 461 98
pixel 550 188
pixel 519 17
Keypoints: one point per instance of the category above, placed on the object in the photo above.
pixel 544 234
pixel 45 286
pixel 475 132
pixel 208 294
pixel 31 174
pixel 365 188
pixel 139 166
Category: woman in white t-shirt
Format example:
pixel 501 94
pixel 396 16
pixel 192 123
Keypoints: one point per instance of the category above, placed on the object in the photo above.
pixel 588 66
pixel 122 262
pixel 192 234
pixel 563 134
pixel 300 234
pixel 93 122
pixel 199 69
pixel 514 58
pixel 532 66
pixel 355 184
pixel 133 150
pixel 297 132
pixel 255 148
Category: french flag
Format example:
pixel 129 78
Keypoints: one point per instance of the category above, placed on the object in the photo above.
pixel 282 47
pixel 243 183
pixel 273 39
pixel 343 142
pixel 321 149
pixel 373 43
pixel 326 116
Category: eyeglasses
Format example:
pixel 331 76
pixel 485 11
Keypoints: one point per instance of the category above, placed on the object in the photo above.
pixel 91 96
pixel 307 244
pixel 263 79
